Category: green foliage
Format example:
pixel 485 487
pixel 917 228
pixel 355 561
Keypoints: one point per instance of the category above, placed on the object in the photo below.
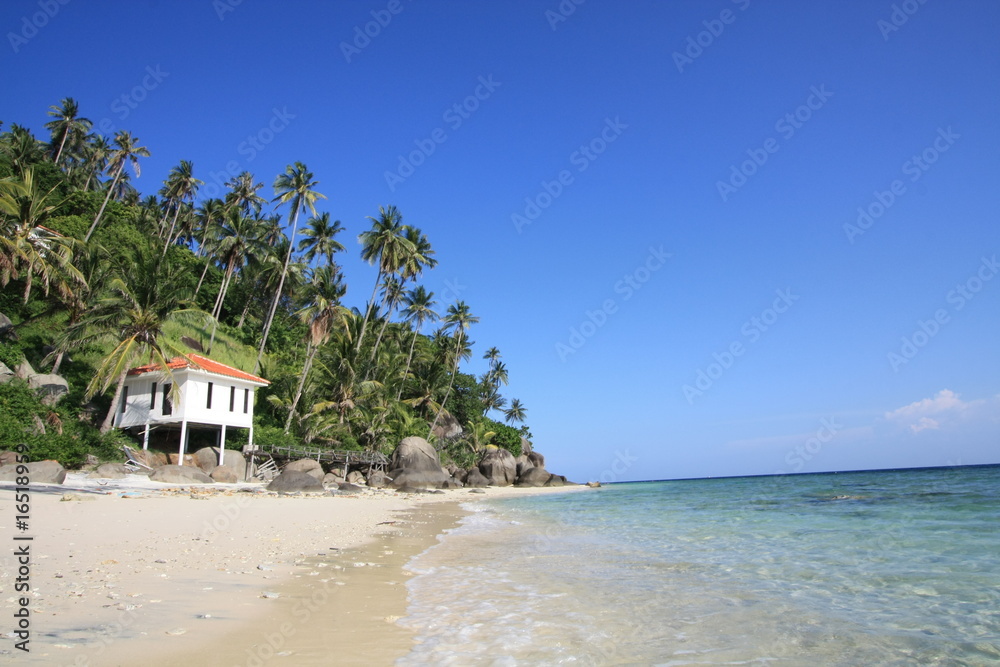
pixel 11 354
pixel 465 404
pixel 507 437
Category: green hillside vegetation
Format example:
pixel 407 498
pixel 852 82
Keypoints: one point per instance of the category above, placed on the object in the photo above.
pixel 97 278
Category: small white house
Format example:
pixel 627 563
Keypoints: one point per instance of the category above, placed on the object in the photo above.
pixel 208 395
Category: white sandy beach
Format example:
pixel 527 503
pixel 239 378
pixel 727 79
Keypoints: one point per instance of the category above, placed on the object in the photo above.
pixel 132 571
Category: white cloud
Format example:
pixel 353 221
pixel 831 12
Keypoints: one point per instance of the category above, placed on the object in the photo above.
pixel 929 413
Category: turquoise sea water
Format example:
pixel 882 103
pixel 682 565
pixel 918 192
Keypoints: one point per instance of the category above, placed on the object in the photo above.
pixel 866 568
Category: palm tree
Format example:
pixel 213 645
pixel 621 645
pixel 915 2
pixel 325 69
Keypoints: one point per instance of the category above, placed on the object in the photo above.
pixel 385 243
pixel 459 318
pixel 68 125
pixel 180 185
pixel 392 292
pixel 419 309
pixel 515 413
pixel 25 246
pixel 126 152
pixel 419 258
pixel 131 317
pixel 321 239
pixel 96 152
pixel 243 194
pixel 492 355
pixel 238 238
pixel 294 187
pixel 322 308
pixel 22 148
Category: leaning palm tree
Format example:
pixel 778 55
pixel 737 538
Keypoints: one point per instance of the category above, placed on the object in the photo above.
pixel 26 248
pixel 321 310
pixel 239 237
pixel 131 317
pixel 392 293
pixel 96 151
pixel 386 244
pixel 126 152
pixel 294 187
pixel 181 186
pixel 320 238
pixel 516 412
pixel 460 319
pixel 67 126
pixel 419 309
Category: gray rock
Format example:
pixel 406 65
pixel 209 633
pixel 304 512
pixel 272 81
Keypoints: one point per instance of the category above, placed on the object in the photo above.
pixel 349 488
pixel 109 471
pixel 594 485
pixel 6 327
pixel 294 480
pixel 461 475
pixel 447 427
pixel 330 479
pixel 534 477
pixel 8 458
pixel 476 479
pixel 356 477
pixel 476 491
pixel 207 459
pixel 451 483
pixel 536 459
pixel 523 465
pixel 415 454
pixel 39 472
pixel 308 466
pixel 224 475
pixel 180 475
pixel 378 480
pixel 557 480
pixel 6 375
pixel 498 466
pixel 24 370
pixel 49 387
pixel 418 478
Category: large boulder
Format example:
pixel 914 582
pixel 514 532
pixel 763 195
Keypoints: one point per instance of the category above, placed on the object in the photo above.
pixel 536 459
pixel 419 479
pixel 498 466
pixel 523 464
pixel 291 481
pixel 447 427
pixel 6 375
pixel 109 471
pixel 415 453
pixel 174 459
pixel 475 479
pixel 49 387
pixel 8 458
pixel 308 466
pixel 150 458
pixel 534 477
pixel 356 477
pixel 207 458
pixel 173 474
pixel 330 479
pixel 378 480
pixel 39 472
pixel 224 475
pixel 557 480
pixel 6 327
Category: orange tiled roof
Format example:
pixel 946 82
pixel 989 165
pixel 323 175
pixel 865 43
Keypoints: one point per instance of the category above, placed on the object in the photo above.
pixel 199 362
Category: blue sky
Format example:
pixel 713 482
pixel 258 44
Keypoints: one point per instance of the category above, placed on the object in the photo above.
pixel 709 238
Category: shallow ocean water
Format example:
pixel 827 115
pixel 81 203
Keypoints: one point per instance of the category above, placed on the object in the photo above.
pixel 867 568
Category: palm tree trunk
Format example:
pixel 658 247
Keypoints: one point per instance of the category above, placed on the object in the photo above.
pixel 277 294
pixel 61 144
pixel 447 394
pixel 111 189
pixel 409 358
pixel 302 383
pixel 364 323
pixel 204 271
pixel 243 315
pixel 173 223
pixel 110 418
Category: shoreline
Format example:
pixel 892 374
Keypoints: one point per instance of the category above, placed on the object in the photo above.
pixel 181 575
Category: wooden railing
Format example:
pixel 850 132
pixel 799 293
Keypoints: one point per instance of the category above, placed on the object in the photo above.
pixel 340 457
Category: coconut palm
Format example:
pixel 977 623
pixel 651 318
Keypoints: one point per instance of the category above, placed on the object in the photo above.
pixel 67 126
pixel 386 244
pixel 321 310
pixel 294 187
pixel 420 257
pixel 492 355
pixel 516 412
pixel 459 318
pixel 131 317
pixel 28 249
pixel 238 238
pixel 419 309
pixel 180 186
pixel 320 238
pixel 96 152
pixel 243 194
pixel 21 148
pixel 392 293
pixel 125 152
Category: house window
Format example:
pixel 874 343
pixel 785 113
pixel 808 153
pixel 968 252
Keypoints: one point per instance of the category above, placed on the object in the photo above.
pixel 246 401
pixel 124 399
pixel 208 405
pixel 232 399
pixel 152 397
pixel 167 407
